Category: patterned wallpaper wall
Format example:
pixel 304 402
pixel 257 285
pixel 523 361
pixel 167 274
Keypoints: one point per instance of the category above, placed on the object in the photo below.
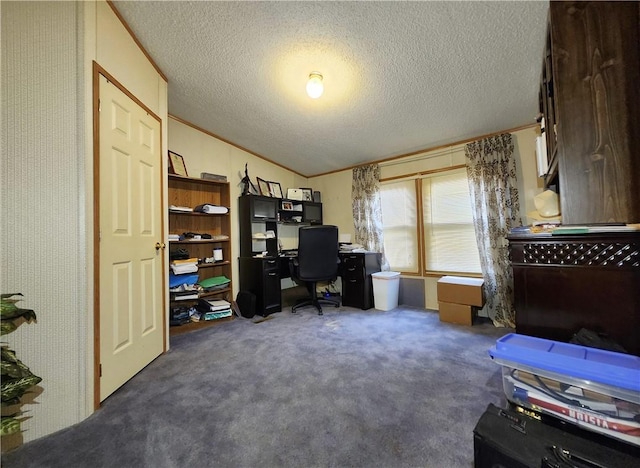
pixel 42 199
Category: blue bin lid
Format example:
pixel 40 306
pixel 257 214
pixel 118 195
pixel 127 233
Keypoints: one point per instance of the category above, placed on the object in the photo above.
pixel 598 365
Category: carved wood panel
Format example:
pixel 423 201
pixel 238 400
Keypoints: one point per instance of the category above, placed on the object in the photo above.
pixel 565 283
pixel 596 68
pixel 615 254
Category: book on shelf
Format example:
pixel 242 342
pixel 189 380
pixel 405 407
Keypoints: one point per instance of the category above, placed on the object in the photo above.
pixel 213 305
pixel 218 304
pixel 214 283
pixel 215 315
pixel 185 297
pixel 206 316
pixel 180 209
pixel 193 261
pixel 211 209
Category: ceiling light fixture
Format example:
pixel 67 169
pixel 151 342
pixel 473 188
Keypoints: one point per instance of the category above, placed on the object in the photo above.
pixel 315 88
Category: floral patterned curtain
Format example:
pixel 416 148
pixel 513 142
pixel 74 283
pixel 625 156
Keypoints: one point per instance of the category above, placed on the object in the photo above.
pixel 491 169
pixel 367 209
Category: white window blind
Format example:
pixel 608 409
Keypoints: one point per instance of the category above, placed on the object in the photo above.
pixel 400 225
pixel 449 236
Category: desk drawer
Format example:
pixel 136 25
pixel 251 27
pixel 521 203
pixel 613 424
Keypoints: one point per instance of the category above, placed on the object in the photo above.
pixel 353 267
pixel 357 293
pixel 271 264
pixel 271 295
pixel 353 293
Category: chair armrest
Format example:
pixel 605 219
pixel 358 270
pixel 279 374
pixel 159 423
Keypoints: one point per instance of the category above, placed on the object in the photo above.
pixel 293 265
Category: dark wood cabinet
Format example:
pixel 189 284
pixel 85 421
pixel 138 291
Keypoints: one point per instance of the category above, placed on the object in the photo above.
pixel 261 276
pixel 590 95
pixel 355 271
pixel 259 262
pixel 565 283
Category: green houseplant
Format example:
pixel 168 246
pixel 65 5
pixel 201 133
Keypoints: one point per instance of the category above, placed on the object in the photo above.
pixel 17 379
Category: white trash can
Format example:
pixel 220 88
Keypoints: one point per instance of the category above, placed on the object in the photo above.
pixel 385 289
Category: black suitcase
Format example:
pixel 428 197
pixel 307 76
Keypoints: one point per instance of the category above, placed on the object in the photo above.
pixel 510 439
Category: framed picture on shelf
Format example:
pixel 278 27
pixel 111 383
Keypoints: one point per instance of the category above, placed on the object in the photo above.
pixel 287 206
pixel 263 185
pixel 275 189
pixel 176 164
pixel 307 194
pixel 294 194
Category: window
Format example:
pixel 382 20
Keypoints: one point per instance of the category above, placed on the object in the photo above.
pixel 449 236
pixel 400 225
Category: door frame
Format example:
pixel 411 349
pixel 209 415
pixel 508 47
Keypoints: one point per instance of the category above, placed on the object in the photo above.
pixel 97 71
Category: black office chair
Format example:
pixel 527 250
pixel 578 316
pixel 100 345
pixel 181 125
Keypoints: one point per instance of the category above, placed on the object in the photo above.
pixel 317 261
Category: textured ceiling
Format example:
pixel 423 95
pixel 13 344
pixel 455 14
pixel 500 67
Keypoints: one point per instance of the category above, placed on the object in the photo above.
pixel 399 76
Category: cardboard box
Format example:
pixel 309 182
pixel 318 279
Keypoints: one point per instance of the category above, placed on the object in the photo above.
pixel 461 314
pixel 459 290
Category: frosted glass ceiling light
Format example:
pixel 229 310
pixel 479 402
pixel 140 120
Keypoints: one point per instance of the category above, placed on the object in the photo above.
pixel 315 87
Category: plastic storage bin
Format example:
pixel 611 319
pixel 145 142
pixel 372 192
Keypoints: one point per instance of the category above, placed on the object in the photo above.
pixel 386 285
pixel 596 389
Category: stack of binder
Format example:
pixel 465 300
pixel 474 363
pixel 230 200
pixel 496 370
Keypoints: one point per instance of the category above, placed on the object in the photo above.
pixel 183 277
pixel 185 294
pixel 181 267
pixel 212 309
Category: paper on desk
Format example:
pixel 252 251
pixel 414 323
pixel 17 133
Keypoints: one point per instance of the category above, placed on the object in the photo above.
pixel 352 247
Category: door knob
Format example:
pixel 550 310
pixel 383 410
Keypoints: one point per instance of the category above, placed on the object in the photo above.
pixel 160 245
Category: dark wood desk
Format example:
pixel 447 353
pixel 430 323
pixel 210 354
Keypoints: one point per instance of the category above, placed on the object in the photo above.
pixel 355 270
pixel 565 283
pixel 262 276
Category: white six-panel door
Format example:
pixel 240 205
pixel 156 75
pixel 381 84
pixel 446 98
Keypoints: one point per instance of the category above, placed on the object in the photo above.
pixel 130 221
